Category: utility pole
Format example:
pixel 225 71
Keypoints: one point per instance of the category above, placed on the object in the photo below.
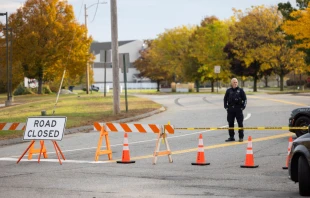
pixel 87 68
pixel 114 32
pixel 11 68
pixel 9 98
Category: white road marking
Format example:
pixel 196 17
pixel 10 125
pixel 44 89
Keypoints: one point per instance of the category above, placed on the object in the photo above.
pixel 56 160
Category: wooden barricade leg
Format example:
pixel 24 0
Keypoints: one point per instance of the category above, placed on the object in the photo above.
pixel 57 146
pixel 168 148
pixel 41 149
pixel 57 149
pixel 32 150
pixel 162 136
pixel 31 143
pixel 108 151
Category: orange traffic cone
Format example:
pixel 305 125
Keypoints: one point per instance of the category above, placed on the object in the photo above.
pixel 249 157
pixel 290 143
pixel 200 154
pixel 126 154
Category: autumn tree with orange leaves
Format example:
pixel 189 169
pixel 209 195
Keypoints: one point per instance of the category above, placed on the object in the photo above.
pixel 48 40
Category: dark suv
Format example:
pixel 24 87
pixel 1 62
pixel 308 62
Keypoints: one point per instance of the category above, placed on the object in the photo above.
pixel 299 165
pixel 299 117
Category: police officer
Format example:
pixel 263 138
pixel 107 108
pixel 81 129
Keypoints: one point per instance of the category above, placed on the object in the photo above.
pixel 234 103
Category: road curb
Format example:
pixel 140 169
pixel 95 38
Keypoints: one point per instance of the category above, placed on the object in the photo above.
pixel 88 128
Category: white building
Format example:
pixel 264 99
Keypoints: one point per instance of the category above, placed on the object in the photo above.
pixel 132 47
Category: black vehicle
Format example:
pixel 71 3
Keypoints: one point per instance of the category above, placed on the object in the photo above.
pixel 299 165
pixel 299 117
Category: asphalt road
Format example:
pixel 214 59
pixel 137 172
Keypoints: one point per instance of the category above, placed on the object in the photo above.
pixel 81 176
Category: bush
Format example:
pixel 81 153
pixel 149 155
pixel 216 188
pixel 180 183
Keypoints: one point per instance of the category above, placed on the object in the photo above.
pixel 21 90
pixel 296 82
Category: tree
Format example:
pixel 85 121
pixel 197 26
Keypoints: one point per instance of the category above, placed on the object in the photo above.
pixel 147 69
pixel 299 28
pixel 252 33
pixel 206 45
pixel 237 66
pixel 284 58
pixel 169 50
pixel 191 70
pixel 286 9
pixel 49 40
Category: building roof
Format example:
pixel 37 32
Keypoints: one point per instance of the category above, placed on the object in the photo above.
pixel 96 47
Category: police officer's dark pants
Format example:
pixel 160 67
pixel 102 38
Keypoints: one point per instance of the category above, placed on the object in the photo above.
pixel 233 113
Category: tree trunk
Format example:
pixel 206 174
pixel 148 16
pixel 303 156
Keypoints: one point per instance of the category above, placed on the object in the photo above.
pixel 212 85
pixel 40 80
pixel 255 84
pixel 281 82
pixel 158 84
pixel 266 81
pixel 197 86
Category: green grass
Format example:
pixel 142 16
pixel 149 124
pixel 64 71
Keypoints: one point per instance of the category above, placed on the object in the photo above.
pixel 80 109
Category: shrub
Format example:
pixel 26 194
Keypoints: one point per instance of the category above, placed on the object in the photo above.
pixel 21 90
pixel 296 82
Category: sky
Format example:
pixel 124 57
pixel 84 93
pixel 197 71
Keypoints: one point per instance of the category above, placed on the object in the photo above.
pixel 146 19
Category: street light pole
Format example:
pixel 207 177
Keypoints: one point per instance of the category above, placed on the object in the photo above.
pixel 87 68
pixel 87 65
pixel 9 98
pixel 10 95
pixel 11 67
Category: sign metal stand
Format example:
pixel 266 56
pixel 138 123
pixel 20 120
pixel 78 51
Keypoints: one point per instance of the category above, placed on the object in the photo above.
pixel 44 128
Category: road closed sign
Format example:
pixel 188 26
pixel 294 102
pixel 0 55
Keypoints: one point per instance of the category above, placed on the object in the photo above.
pixel 45 128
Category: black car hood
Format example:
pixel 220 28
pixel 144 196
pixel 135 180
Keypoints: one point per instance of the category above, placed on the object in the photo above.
pixel 305 110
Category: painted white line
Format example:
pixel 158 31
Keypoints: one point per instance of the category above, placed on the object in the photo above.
pixel 56 160
pixel 139 142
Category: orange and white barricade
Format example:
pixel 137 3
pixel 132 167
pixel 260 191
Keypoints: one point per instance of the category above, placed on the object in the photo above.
pixel 139 128
pixel 12 126
pixel 15 126
pixel 103 134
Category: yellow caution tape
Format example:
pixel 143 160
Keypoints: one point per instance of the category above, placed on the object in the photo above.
pixel 244 128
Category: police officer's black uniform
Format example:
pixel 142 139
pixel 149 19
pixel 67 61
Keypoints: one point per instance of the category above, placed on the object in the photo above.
pixel 235 102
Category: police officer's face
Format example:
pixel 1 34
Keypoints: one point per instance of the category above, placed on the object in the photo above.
pixel 234 83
